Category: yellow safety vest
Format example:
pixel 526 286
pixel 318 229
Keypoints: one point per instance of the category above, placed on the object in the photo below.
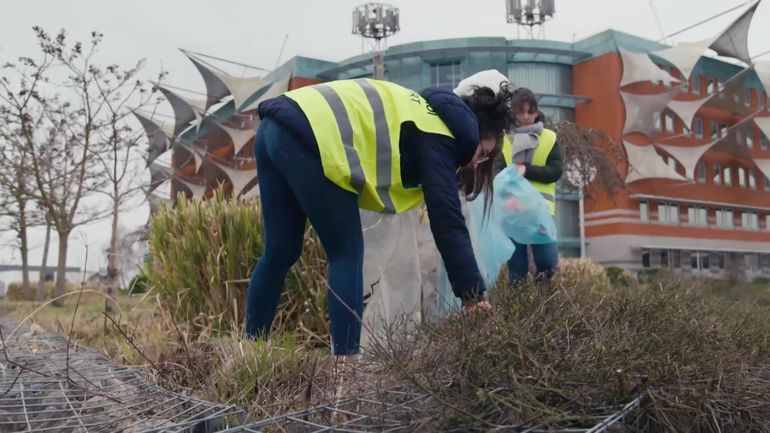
pixel 357 124
pixel 543 149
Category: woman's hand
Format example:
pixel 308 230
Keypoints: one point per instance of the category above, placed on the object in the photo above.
pixel 471 307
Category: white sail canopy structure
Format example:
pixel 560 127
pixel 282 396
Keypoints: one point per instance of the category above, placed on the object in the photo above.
pixel 734 41
pixel 275 89
pixel 197 191
pixel 643 112
pixel 645 163
pixel 763 72
pixel 685 55
pixel 216 89
pixel 239 178
pixel 686 110
pixel 763 123
pixel 637 67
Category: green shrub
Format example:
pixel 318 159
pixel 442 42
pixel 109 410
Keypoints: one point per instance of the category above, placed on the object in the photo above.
pixel 138 284
pixel 201 257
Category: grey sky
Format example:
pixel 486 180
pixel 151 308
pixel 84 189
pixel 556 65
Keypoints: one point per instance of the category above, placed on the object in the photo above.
pixel 252 31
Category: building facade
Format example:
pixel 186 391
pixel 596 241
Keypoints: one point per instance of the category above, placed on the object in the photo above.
pixel 693 131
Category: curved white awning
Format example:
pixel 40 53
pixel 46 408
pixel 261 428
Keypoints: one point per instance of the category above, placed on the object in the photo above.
pixel 686 110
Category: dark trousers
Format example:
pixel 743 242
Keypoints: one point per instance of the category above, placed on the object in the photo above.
pixel 546 257
pixel 293 188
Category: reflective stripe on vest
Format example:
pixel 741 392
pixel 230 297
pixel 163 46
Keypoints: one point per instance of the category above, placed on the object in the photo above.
pixel 544 147
pixel 357 124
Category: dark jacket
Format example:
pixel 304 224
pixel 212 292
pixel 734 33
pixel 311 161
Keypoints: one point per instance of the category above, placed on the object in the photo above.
pixel 429 161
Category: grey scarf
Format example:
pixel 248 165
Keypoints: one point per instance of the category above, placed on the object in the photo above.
pixel 525 140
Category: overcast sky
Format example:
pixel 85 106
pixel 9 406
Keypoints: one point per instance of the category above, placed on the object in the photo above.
pixel 252 32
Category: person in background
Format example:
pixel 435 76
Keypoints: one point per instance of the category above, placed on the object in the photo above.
pixel 535 151
pixel 326 150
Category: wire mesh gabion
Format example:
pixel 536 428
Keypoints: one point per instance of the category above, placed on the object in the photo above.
pixel 49 385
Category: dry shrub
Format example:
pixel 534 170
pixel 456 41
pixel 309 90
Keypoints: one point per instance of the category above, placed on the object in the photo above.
pixel 553 356
pixel 585 271
pixel 201 257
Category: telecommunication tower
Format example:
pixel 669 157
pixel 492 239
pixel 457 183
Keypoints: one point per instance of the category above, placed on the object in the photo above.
pixel 376 22
pixel 529 13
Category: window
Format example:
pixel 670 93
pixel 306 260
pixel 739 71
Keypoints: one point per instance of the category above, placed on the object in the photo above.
pixel 704 261
pixel 700 172
pixel 695 84
pixel 697 127
pixel 669 124
pixel 749 133
pixel 714 129
pixel 646 259
pixel 446 75
pixel 694 260
pixel 727 176
pixel 723 131
pixel 747 97
pixel 767 183
pixel 764 143
pixel 664 263
pixel 752 179
pixel 741 177
pixel 725 219
pixel 713 86
pixel 657 118
pixel 644 211
pixel 752 261
pixel 767 221
pixel 721 261
pixel 676 259
pixel 697 216
pixel 668 213
pixel 717 172
pixel 750 220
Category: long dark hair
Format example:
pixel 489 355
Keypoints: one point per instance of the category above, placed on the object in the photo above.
pixel 493 112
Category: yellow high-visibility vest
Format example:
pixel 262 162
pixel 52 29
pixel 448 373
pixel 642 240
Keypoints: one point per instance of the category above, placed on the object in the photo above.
pixel 545 145
pixel 357 124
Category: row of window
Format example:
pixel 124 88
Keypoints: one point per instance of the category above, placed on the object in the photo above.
pixel 705 260
pixel 694 85
pixel 744 135
pixel 698 216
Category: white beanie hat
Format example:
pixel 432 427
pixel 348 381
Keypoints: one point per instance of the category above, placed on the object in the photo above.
pixel 490 78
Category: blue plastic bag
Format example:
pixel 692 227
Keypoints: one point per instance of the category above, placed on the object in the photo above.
pixel 491 246
pixel 522 213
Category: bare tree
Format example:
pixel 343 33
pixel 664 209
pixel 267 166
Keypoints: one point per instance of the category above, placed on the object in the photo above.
pixel 85 108
pixel 593 161
pixel 120 155
pixel 19 111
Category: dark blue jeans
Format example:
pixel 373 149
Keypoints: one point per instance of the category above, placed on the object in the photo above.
pixel 546 257
pixel 293 188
